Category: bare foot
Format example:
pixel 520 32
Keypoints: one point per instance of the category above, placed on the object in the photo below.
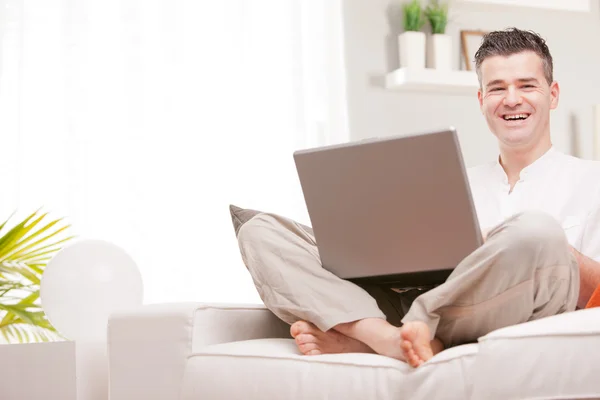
pixel 381 336
pixel 312 341
pixel 416 343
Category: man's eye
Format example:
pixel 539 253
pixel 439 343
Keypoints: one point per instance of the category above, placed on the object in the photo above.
pixel 528 86
pixel 496 89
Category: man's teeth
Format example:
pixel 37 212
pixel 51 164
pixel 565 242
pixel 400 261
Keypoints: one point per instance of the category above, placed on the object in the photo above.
pixel 516 116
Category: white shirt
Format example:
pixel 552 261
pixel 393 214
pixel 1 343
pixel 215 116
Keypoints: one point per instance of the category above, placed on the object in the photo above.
pixel 566 187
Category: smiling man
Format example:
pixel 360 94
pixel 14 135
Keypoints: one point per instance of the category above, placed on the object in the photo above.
pixel 539 207
pixel 517 93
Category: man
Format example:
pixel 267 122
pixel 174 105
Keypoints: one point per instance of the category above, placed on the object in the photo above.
pixel 536 205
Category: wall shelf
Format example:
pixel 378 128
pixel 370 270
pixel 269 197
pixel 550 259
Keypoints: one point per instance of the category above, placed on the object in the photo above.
pixel 566 5
pixel 433 81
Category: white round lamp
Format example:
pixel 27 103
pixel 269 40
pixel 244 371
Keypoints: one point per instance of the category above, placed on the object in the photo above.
pixel 84 283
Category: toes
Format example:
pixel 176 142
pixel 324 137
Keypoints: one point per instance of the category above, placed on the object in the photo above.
pixel 300 327
pixel 309 348
pixel 407 349
pixel 412 358
pixel 407 332
pixel 307 344
pixel 419 361
pixel 406 346
pixel 295 328
pixel 303 338
pixel 410 355
pixel 417 334
pixel 415 361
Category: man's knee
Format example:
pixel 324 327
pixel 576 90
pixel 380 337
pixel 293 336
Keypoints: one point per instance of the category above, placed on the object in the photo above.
pixel 534 232
pixel 256 227
pixel 254 239
pixel 538 227
pixel 269 243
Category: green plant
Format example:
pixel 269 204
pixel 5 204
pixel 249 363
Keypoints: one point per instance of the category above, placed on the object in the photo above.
pixel 437 15
pixel 413 16
pixel 25 249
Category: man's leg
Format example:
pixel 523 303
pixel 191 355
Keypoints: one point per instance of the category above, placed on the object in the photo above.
pixel 284 263
pixel 524 271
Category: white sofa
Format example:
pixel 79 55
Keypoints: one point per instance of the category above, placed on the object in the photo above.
pixel 226 351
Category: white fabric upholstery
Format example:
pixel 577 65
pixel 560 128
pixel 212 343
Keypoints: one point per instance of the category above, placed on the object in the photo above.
pixel 148 347
pixel 274 369
pixel 212 351
pixel 551 358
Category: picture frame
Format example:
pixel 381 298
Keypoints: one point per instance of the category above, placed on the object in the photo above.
pixel 596 130
pixel 470 41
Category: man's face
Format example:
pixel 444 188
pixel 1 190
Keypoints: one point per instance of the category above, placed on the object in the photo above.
pixel 516 100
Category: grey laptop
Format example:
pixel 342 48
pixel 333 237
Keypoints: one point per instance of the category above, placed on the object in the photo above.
pixel 394 210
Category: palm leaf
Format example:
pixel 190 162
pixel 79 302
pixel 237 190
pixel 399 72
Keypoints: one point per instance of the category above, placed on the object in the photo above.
pixel 23 333
pixel 16 332
pixel 7 285
pixel 5 222
pixel 20 238
pixel 9 318
pixel 31 298
pixel 21 254
pixel 20 269
pixel 18 311
pixel 36 267
pixel 16 233
pixel 25 250
pixel 35 255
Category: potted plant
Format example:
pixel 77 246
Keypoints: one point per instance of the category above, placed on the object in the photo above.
pixel 439 48
pixel 412 41
pixel 25 250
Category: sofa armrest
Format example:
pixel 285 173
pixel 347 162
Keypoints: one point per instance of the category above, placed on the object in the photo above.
pixel 148 346
pixel 548 358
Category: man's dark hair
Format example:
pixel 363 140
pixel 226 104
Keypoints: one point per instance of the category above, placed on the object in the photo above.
pixel 512 41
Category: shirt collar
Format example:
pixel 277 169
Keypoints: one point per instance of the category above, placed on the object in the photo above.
pixel 537 165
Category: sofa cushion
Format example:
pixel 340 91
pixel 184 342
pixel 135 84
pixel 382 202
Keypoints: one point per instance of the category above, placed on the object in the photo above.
pixel 274 369
pixel 549 358
pixel 239 216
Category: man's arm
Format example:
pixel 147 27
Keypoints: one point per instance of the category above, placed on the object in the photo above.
pixel 589 277
pixel 587 252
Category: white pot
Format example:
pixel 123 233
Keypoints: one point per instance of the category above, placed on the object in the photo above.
pixel 439 52
pixel 411 46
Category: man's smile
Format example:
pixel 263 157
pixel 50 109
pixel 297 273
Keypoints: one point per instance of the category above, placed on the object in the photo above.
pixel 515 119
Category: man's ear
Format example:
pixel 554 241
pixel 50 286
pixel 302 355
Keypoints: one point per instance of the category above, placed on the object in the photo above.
pixel 480 98
pixel 554 94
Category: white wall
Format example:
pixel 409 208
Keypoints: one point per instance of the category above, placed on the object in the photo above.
pixel 371 29
pixel 141 121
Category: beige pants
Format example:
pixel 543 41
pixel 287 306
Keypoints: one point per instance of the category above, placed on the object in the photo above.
pixel 524 271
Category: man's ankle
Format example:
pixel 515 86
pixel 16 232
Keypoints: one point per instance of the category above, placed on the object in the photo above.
pixel 365 329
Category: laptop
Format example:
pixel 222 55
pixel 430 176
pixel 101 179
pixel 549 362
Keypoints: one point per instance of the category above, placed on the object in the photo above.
pixel 395 210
